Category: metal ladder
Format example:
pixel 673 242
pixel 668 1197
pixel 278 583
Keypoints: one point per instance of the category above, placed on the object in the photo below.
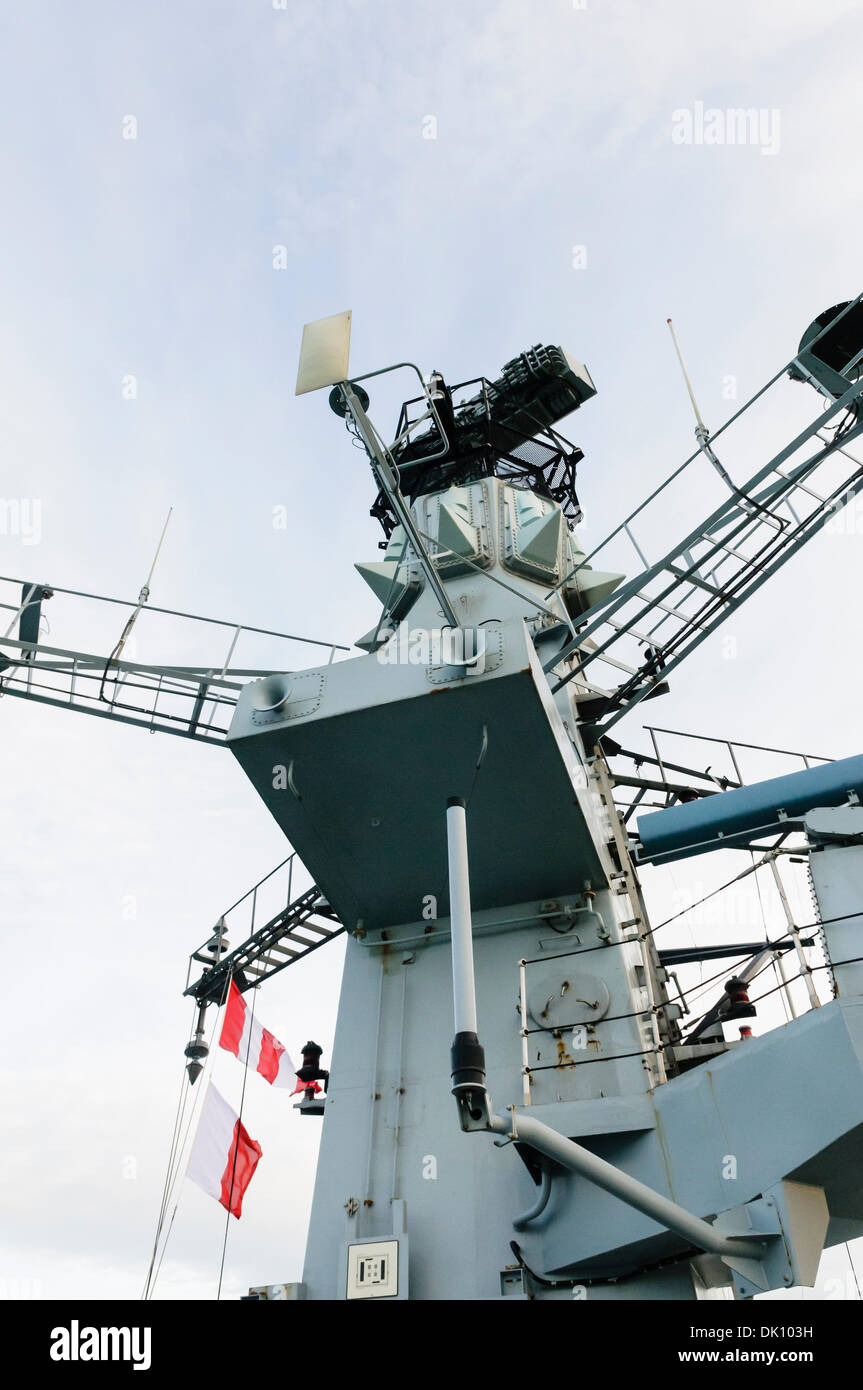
pixel 670 608
pixel 289 936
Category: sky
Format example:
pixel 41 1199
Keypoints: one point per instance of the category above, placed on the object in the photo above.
pixel 185 186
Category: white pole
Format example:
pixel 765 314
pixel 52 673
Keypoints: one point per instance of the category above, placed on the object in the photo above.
pixel 463 990
pixel 795 936
pixel 699 422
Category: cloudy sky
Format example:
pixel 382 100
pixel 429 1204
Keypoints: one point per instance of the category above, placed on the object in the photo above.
pixel 183 187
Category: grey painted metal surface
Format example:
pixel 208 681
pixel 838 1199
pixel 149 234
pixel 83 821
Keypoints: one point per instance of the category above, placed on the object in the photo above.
pixel 633 1193
pixel 356 773
pixel 357 763
pixel 711 1150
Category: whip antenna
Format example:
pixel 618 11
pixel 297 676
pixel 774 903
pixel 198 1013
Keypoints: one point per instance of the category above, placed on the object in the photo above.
pixel 702 434
pixel 701 431
pixel 142 599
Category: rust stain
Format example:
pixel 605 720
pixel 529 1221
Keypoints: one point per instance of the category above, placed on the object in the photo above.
pixel 563 1057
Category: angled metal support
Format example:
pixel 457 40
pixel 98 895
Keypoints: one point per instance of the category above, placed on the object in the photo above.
pixel 578 1159
pixel 685 955
pixel 388 484
pixel 679 601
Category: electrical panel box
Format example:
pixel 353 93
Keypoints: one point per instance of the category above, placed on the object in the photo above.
pixel 373 1270
pixel 512 1283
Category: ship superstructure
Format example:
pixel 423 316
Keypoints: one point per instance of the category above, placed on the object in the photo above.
pixel 515 1107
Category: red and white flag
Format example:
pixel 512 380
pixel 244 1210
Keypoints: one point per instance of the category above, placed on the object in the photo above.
pixel 223 1157
pixel 254 1044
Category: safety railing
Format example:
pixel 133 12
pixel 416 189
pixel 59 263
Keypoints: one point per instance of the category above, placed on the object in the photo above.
pixel 276 929
pixel 655 619
pixel 189 686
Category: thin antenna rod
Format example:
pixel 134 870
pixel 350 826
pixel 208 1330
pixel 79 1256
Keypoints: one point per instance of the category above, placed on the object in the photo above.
pixel 142 599
pixel 701 431
pixel 702 434
pixel 146 589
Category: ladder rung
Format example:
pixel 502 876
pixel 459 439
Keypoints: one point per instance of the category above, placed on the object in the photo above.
pixel 589 655
pixel 802 487
pixel 312 926
pixel 699 583
pixel 630 631
pixel 738 555
pixel 284 950
pixel 300 940
pixel 665 608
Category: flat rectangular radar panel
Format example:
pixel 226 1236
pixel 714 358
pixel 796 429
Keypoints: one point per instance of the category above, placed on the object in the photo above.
pixel 324 353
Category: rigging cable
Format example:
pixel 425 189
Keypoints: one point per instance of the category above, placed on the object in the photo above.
pixel 177 1151
pixel 178 1120
pixel 737 877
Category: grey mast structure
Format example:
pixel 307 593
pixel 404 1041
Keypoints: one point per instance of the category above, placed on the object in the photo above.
pixel 513 1106
pixel 449 794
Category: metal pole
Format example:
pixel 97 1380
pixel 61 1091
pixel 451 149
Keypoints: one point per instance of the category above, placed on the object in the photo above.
pixel 778 957
pixel 795 934
pixel 636 1194
pixel 389 485
pixel 525 1058
pixel 539 1206
pixel 463 988
pixel 467 1057
pixel 658 756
